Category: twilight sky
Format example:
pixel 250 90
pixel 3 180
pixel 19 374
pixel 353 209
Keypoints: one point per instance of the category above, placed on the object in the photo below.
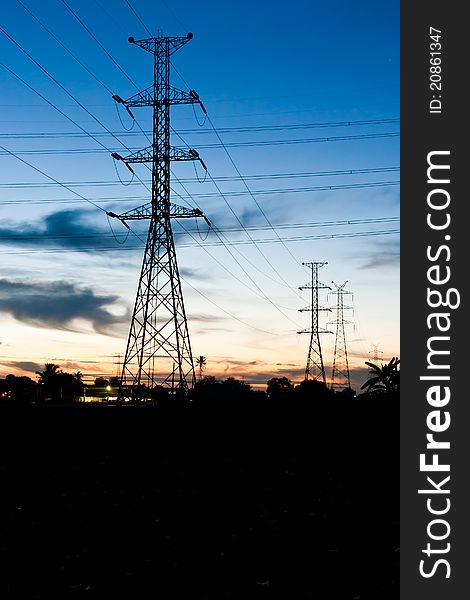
pixel 305 97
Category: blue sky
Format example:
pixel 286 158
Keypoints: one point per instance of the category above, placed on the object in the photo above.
pixel 267 72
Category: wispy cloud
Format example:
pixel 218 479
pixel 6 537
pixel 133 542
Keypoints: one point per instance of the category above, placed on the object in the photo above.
pixel 58 305
pixel 203 318
pixel 385 255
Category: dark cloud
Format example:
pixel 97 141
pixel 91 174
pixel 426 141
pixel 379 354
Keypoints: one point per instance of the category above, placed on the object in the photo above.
pixel 188 273
pixel 65 229
pixel 197 274
pixel 356 353
pixel 358 375
pixel 251 217
pixel 77 366
pixel 293 373
pixel 29 367
pixel 386 255
pixel 57 305
pixel 200 318
pixel 207 330
pixel 237 363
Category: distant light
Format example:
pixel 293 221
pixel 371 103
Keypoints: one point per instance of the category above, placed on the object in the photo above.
pixel 108 388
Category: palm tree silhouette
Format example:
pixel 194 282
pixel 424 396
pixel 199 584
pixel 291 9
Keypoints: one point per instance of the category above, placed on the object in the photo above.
pixel 50 372
pixel 385 378
pixel 201 363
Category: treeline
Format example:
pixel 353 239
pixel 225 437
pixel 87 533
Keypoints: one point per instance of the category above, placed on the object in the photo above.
pixel 57 387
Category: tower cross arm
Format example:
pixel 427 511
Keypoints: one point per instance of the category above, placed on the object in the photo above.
pixel 140 156
pixel 318 286
pixel 316 331
pixel 143 98
pixel 145 212
pixel 147 98
pixel 135 214
pixel 162 44
pixel 340 322
pixel 146 155
pixel 181 212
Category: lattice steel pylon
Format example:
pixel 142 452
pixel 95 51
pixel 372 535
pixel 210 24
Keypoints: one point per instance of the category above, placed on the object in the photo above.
pixel 340 378
pixel 315 368
pixel 375 353
pixel 158 352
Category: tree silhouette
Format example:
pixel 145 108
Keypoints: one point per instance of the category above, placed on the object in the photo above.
pixel 79 385
pixel 201 363
pixel 385 378
pixel 66 388
pixel 313 389
pixel 50 372
pixel 18 390
pixel 279 388
pixel 58 386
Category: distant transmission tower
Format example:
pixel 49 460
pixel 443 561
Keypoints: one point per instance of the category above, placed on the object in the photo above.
pixel 375 353
pixel 158 349
pixel 117 372
pixel 340 378
pixel 314 368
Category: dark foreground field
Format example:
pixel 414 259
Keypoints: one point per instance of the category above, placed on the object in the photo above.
pixel 291 503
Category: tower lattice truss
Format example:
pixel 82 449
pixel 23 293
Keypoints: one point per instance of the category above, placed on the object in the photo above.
pixel 315 368
pixel 158 352
pixel 340 378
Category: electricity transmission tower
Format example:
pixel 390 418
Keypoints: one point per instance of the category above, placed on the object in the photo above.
pixel 158 351
pixel 375 353
pixel 340 378
pixel 314 368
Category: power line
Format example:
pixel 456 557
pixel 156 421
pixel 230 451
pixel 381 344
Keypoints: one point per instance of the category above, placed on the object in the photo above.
pixel 172 13
pixel 74 56
pixel 225 245
pixel 298 126
pixel 299 175
pixel 326 188
pixel 260 294
pixel 67 92
pixel 85 67
pixel 199 130
pixel 101 45
pixel 56 108
pixel 111 16
pixel 250 144
pixel 319 188
pixel 105 52
pixel 138 18
pixel 228 313
pixel 119 140
pixel 340 138
pixel 239 221
pixel 11 153
pixel 65 47
pixel 214 181
pixel 315 224
pixel 326 236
